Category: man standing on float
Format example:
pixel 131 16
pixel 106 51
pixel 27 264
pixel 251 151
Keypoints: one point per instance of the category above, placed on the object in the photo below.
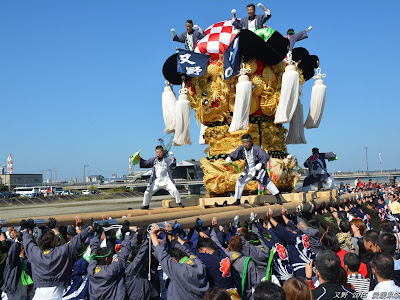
pixel 317 170
pixel 161 176
pixel 256 159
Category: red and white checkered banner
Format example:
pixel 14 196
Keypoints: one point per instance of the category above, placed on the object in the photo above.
pixel 217 39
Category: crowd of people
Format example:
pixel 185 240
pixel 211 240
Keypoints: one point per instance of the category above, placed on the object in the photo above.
pixel 348 251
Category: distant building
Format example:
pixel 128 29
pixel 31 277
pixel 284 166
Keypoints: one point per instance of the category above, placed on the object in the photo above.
pixel 188 169
pixel 134 176
pixel 94 179
pixel 14 180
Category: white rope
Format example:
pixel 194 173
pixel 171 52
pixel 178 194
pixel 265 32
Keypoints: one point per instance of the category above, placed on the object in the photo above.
pixel 115 226
pixel 149 273
pixel 319 75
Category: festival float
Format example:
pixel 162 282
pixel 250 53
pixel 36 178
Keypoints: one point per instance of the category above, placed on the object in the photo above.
pixel 236 82
pixel 239 82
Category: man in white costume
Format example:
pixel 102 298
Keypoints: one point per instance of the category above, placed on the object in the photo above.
pixel 161 176
pixel 256 159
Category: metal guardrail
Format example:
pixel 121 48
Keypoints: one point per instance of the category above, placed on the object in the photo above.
pixel 361 173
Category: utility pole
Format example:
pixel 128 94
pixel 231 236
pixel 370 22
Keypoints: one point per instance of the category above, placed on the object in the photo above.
pixel 84 174
pixel 366 157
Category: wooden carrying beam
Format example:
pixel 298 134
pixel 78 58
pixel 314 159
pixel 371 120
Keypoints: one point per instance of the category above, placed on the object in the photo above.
pixel 187 216
pixel 69 219
pixel 148 216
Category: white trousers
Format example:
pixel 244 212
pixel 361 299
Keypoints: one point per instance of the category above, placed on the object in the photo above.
pixel 156 185
pixel 245 178
pixel 330 181
pixel 49 293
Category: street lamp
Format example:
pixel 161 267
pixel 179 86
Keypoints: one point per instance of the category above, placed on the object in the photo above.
pixel 366 157
pixel 84 174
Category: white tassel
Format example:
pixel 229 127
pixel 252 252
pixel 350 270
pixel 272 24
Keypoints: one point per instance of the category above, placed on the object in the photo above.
pixel 202 132
pixel 317 104
pixel 169 108
pixel 300 121
pixel 240 119
pixel 182 127
pixel 296 129
pixel 289 95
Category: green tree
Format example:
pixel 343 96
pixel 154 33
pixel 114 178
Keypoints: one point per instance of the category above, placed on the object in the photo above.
pixel 92 188
pixel 100 178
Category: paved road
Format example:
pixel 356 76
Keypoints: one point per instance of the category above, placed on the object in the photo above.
pixel 76 207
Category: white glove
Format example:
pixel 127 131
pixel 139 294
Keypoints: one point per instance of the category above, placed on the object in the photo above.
pixel 235 221
pixel 196 27
pixel 171 153
pixel 173 31
pixel 258 166
pixel 233 11
pixel 228 159
pixel 309 28
pixel 260 5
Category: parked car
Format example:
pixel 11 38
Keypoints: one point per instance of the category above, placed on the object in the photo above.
pixel 95 192
pixel 65 193
pixel 85 192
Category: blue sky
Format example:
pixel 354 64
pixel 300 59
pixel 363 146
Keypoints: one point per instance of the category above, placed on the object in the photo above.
pixel 81 81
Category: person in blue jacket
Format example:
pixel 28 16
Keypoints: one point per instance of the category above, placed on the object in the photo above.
pixel 298 244
pixel 51 264
pixel 138 286
pixel 79 286
pixel 186 272
pixel 106 272
pixel 217 263
pixel 16 277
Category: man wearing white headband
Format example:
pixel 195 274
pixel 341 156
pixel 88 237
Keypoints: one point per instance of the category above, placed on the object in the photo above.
pixel 256 159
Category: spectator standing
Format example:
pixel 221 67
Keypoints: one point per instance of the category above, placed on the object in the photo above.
pixel 382 268
pixel 328 267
